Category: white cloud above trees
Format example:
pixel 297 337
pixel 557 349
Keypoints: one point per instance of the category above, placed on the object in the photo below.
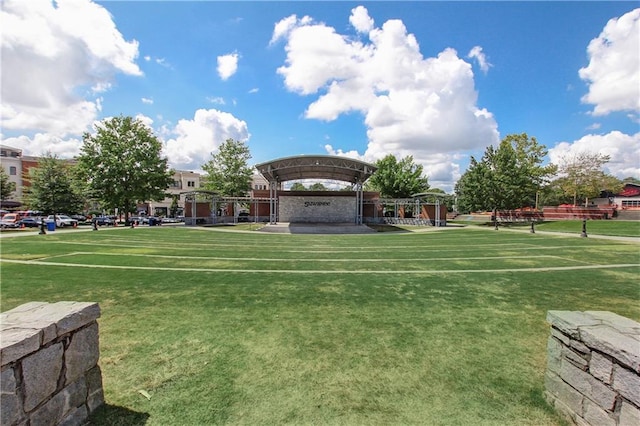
pixel 623 149
pixel 613 73
pixel 411 105
pixel 191 142
pixel 56 59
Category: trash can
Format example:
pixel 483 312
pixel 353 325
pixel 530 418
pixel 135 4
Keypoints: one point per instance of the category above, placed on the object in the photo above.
pixel 51 225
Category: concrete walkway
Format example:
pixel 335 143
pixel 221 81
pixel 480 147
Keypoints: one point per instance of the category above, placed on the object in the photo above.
pixel 634 240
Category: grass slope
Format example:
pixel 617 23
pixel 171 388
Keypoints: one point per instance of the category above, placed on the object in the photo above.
pixel 443 328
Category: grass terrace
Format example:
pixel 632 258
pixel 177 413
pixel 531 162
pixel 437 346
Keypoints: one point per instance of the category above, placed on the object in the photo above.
pixel 208 326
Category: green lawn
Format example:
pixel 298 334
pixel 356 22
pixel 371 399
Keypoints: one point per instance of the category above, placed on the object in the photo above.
pixel 218 327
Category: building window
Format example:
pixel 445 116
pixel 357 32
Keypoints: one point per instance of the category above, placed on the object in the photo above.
pixel 191 184
pixel 176 184
pixel 13 171
pixel 630 203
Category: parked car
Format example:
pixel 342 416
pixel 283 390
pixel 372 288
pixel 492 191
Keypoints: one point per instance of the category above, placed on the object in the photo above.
pixel 169 220
pixel 154 221
pixel 62 220
pixel 78 217
pixel 29 222
pixel 243 217
pixel 11 217
pixel 103 221
pixel 140 220
pixel 9 224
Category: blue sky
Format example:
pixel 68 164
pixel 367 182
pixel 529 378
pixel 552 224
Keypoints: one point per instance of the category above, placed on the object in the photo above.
pixel 436 80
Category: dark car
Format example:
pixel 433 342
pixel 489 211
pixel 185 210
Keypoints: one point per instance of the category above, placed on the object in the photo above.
pixel 243 217
pixel 154 221
pixel 103 221
pixel 29 222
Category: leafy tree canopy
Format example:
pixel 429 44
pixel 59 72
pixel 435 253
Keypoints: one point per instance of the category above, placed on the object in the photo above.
pixel 581 177
pixel 228 171
pixel 506 177
pixel 7 188
pixel 318 186
pixel 397 179
pixel 122 164
pixel 52 187
pixel 297 186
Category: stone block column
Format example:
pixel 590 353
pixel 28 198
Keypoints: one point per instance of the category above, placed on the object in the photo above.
pixel 49 363
pixel 593 368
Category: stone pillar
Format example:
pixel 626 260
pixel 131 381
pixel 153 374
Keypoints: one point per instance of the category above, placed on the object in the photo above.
pixel 49 359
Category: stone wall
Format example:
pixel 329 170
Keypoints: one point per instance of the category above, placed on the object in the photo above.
pixel 49 359
pixel 593 366
pixel 332 209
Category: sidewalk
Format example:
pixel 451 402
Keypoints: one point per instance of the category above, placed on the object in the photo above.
pixel 634 240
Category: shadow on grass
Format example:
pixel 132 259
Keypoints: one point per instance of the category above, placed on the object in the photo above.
pixel 386 228
pixel 112 415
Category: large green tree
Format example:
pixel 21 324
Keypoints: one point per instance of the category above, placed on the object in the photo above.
pixel 53 188
pixel 397 179
pixel 506 177
pixel 228 172
pixel 7 188
pixel 318 186
pixel 297 186
pixel 122 164
pixel 581 177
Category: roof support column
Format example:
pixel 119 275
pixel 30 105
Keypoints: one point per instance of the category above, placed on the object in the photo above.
pixel 273 202
pixel 359 203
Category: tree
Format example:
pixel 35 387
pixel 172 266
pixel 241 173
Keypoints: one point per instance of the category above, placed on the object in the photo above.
pixel 631 179
pixel 505 178
pixel 398 179
pixel 7 188
pixel 122 164
pixel 52 187
pixel 318 186
pixel 581 177
pixel 227 171
pixel 297 186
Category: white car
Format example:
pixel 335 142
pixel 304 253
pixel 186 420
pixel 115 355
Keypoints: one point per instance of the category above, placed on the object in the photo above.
pixel 62 220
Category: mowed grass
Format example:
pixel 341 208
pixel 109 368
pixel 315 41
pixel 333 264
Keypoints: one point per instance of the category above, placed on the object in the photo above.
pixel 216 327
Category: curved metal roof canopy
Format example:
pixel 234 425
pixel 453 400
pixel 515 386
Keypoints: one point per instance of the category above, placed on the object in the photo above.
pixel 316 167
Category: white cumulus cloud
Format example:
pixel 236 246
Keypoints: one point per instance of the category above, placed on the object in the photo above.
pixel 477 54
pixel 42 143
pixel 192 141
pixel 623 149
pixel 227 65
pixel 412 105
pixel 56 56
pixel 613 73
pixel 361 20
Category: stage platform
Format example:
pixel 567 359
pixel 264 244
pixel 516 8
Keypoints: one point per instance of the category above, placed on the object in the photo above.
pixel 317 228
